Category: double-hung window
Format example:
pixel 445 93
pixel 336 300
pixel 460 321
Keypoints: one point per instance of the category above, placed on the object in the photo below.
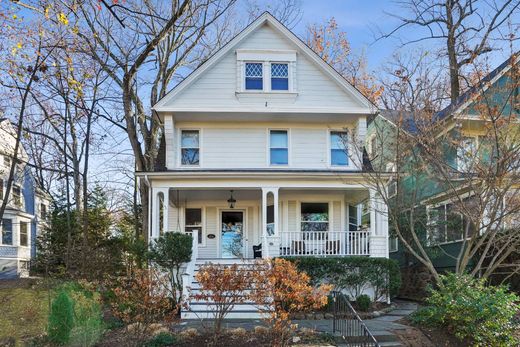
pixel 279 147
pixel 24 234
pixel 254 76
pixel 190 149
pixel 17 196
pixel 466 153
pixel 194 222
pixel 338 148
pixel 314 217
pixel 279 76
pixel 7 232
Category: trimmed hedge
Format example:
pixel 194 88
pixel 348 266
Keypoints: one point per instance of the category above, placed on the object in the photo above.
pixel 353 274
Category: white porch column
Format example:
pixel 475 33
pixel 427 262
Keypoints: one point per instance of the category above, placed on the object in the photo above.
pixel 378 226
pixel 270 243
pixel 156 207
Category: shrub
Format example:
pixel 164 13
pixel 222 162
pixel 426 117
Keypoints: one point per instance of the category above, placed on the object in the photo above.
pixel 88 318
pixel 170 251
pixel 61 319
pixel 363 302
pixel 161 340
pixel 139 299
pixel 354 274
pixel 279 289
pixel 225 286
pixel 470 309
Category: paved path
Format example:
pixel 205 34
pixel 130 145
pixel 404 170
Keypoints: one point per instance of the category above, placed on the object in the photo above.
pixel 382 327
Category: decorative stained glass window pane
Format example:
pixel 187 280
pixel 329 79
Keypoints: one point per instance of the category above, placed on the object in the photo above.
pixel 190 147
pixel 279 152
pixel 279 76
pixel 254 76
pixel 338 148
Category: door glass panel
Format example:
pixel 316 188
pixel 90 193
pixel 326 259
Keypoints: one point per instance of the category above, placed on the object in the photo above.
pixel 232 234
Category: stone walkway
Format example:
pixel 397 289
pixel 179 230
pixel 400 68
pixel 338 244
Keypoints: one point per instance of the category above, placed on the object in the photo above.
pixel 382 327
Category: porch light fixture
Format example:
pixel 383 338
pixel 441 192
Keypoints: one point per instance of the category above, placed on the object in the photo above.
pixel 231 201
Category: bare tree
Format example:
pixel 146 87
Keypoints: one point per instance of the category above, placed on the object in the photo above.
pixel 465 29
pixel 446 185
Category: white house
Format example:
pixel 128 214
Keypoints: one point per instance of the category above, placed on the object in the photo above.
pixel 25 212
pixel 254 156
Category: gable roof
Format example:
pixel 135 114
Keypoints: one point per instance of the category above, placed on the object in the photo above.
pixel 266 17
pixel 466 98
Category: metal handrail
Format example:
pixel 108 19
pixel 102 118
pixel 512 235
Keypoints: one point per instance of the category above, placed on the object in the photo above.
pixel 348 323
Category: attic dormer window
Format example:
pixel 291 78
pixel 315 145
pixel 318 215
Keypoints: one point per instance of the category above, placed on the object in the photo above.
pixel 279 76
pixel 264 71
pixel 254 76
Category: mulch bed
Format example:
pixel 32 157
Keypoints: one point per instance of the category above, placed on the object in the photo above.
pixel 416 336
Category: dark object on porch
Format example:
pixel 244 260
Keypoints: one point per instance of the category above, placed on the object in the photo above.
pixel 257 251
pixel 333 247
pixel 298 247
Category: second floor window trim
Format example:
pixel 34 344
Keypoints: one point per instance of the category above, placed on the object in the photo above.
pixel 278 147
pixel 339 148
pixel 190 147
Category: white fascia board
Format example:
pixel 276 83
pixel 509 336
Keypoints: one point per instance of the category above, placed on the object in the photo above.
pixel 246 109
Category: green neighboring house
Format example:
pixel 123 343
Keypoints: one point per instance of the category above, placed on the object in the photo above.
pixel 442 229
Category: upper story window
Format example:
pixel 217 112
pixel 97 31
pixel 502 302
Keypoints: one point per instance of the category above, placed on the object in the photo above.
pixel 254 76
pixel 7 161
pixel 17 196
pixel 1 188
pixel 279 76
pixel 7 232
pixel 338 148
pixel 279 147
pixel 43 211
pixel 190 149
pixel 24 234
pixel 467 153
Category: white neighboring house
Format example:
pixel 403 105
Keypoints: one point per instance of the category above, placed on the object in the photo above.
pixel 25 212
pixel 253 155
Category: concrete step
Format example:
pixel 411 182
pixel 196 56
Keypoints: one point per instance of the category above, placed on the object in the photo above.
pixel 208 306
pixel 231 315
pixel 390 344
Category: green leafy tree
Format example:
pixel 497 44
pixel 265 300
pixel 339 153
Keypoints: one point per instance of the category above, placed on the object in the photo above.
pixel 169 252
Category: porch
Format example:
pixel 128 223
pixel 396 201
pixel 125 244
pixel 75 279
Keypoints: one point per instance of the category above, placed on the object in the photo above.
pixel 236 222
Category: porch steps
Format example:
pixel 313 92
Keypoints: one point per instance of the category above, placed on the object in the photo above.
pixel 204 309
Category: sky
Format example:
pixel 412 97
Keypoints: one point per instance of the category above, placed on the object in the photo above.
pixel 361 19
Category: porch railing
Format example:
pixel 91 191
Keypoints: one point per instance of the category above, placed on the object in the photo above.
pixel 312 243
pixel 349 325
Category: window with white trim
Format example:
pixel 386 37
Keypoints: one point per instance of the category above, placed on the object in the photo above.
pixel 338 148
pixel 447 225
pixel 393 243
pixel 466 153
pixel 254 76
pixel 193 218
pixel 24 234
pixel 190 149
pixel 279 76
pixel 278 147
pixel 7 232
pixel 314 216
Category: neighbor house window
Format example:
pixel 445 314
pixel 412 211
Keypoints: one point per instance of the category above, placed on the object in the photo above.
pixel 279 76
pixel 43 211
pixel 314 216
pixel 7 161
pixel 17 199
pixel 447 225
pixel 194 222
pixel 279 149
pixel 1 188
pixel 254 76
pixel 338 148
pixel 24 236
pixel 190 147
pixel 7 232
pixel 466 153
pixel 393 242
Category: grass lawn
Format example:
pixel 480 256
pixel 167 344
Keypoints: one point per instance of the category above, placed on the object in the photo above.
pixel 24 308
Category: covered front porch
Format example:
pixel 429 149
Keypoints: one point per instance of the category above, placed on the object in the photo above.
pixel 236 222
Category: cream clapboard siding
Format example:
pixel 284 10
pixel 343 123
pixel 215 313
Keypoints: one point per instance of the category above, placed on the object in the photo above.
pixel 217 86
pixel 232 146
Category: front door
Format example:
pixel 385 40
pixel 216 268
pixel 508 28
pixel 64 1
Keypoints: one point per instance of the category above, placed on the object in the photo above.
pixel 232 241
